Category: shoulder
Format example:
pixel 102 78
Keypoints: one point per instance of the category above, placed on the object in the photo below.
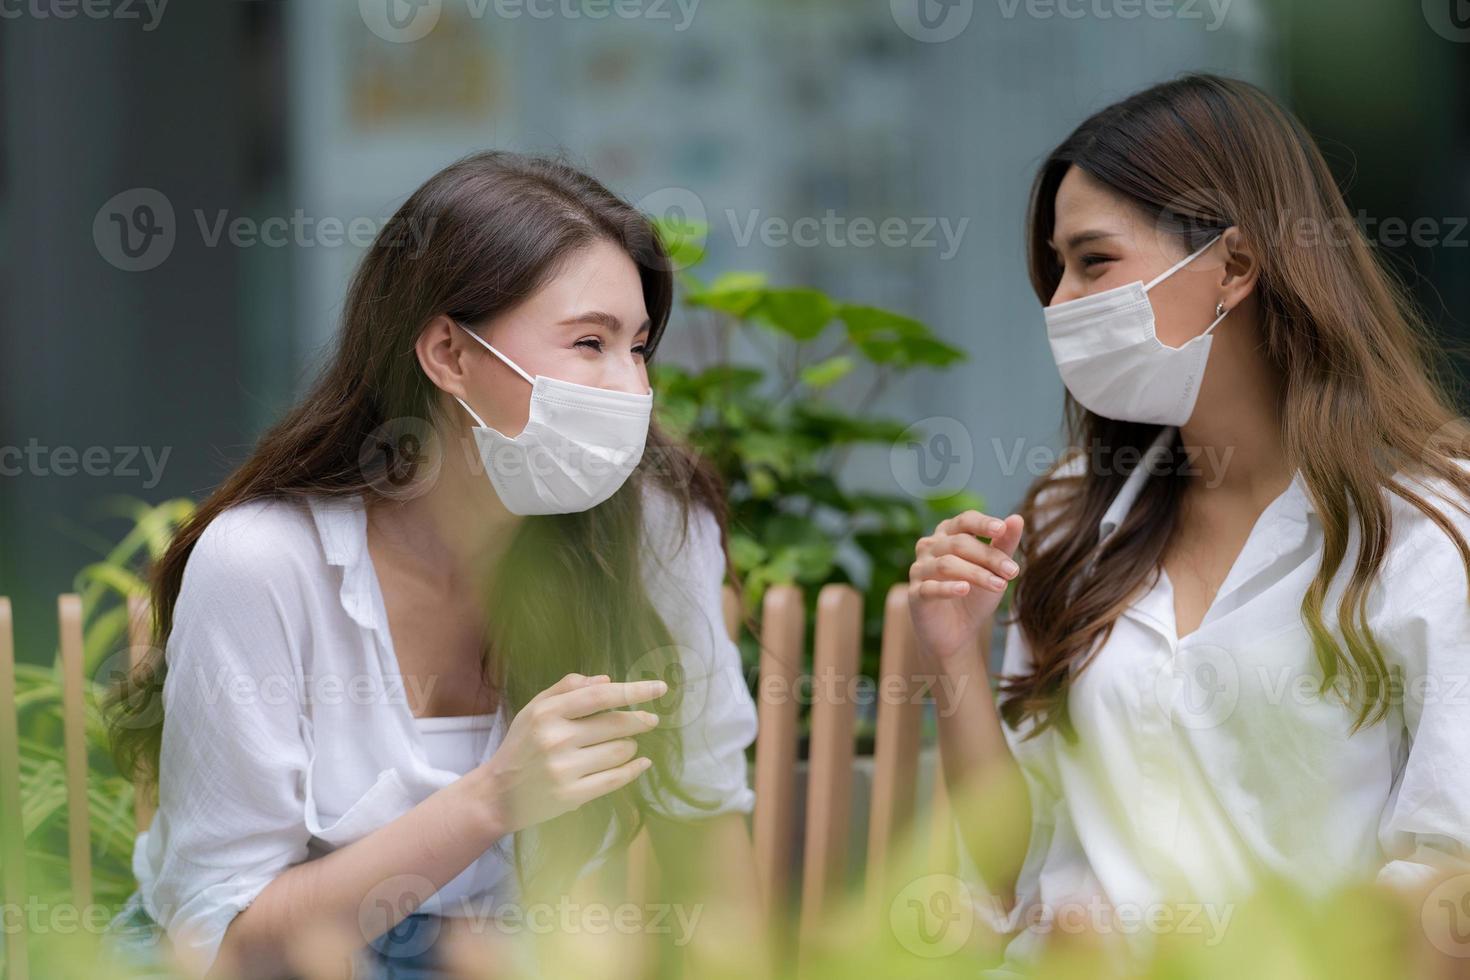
pixel 246 598
pixel 1424 558
pixel 679 533
pixel 258 539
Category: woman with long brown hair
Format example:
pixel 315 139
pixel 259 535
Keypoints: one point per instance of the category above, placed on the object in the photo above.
pixel 395 642
pixel 1241 626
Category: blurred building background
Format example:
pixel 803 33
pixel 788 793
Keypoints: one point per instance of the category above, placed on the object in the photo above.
pixel 185 187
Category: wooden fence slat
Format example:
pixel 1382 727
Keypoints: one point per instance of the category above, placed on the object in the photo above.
pixel 896 745
pixel 730 600
pixel 140 639
pixel 783 638
pixel 74 736
pixel 12 832
pixel 835 665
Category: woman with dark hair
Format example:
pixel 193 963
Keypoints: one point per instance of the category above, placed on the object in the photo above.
pixel 1241 617
pixel 395 643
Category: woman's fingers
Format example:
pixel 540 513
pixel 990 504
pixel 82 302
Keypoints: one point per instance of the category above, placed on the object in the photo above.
pixel 601 697
pixel 953 568
pixel 993 559
pixel 596 758
pixel 570 682
pixel 608 725
pixel 972 522
pixel 609 780
pixel 1010 538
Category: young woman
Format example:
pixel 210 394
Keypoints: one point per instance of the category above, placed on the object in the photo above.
pixel 1241 624
pixel 398 638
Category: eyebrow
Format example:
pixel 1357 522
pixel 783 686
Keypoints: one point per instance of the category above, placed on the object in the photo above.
pixel 601 319
pixel 1083 237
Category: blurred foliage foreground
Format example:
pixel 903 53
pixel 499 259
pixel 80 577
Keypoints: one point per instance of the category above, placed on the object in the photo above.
pixel 923 921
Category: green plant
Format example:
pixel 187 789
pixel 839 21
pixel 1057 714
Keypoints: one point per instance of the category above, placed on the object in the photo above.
pixel 104 587
pixel 779 435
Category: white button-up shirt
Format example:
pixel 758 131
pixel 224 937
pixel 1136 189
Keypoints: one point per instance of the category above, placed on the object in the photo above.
pixel 287 729
pixel 1203 762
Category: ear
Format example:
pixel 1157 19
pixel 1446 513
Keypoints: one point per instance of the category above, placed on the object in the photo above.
pixel 442 352
pixel 1241 268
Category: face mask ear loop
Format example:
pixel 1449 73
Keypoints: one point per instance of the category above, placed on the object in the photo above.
pixel 478 421
pixel 1182 263
pixel 508 362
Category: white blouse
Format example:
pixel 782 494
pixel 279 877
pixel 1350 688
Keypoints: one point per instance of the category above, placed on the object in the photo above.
pixel 1203 762
pixel 287 730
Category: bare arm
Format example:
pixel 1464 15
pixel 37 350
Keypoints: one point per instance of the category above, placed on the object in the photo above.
pixel 955 587
pixel 566 747
pixel 369 886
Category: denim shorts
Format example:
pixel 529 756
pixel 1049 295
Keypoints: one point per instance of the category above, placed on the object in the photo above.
pixel 405 952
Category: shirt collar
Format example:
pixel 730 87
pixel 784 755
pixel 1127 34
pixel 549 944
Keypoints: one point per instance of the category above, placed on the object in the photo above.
pixel 1294 503
pixel 341 523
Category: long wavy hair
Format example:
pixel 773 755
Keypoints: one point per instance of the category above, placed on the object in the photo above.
pixel 1363 398
pixel 566 596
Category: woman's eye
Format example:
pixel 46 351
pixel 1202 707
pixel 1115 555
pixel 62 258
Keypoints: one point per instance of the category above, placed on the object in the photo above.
pixel 591 343
pixel 1089 261
pixel 640 350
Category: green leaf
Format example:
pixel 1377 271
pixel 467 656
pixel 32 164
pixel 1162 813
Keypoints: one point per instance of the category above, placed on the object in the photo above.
pixel 746 552
pixel 799 313
pixel 828 372
pixel 891 338
pixel 735 293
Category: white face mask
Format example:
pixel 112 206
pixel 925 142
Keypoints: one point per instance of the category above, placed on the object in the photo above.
pixel 579 445
pixel 1112 361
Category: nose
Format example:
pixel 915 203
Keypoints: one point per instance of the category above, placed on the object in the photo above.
pixel 629 376
pixel 1065 292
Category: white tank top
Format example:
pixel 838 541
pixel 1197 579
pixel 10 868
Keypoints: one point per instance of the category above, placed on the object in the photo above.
pixel 458 743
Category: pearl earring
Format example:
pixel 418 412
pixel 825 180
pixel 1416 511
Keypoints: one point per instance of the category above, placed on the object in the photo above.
pixel 1220 309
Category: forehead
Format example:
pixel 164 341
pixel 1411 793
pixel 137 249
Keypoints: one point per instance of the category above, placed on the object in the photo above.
pixel 602 275
pixel 1084 203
